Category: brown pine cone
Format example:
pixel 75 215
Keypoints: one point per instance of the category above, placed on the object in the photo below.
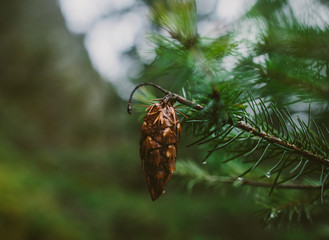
pixel 161 130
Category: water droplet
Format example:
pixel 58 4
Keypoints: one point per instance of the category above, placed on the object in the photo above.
pixel 238 182
pixel 274 213
pixel 164 191
pixel 268 174
pixel 204 162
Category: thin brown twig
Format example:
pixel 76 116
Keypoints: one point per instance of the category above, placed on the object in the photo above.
pixel 271 139
pixel 283 186
pixel 248 182
pixel 269 184
pixel 170 95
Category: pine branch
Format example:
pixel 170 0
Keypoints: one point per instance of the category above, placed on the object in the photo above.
pixel 267 184
pixel 251 129
pixel 190 169
pixel 272 139
pixel 282 186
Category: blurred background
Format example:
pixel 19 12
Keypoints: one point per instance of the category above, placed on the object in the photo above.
pixel 69 162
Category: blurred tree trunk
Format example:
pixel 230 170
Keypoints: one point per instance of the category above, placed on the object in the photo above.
pixel 49 92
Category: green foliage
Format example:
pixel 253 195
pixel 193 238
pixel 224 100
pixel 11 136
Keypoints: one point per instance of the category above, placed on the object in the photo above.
pixel 178 18
pixel 251 125
pixel 301 47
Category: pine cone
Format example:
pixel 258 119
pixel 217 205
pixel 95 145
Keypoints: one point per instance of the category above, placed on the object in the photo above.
pixel 161 130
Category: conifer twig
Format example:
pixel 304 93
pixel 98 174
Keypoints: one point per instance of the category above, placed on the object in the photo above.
pixel 272 139
pixel 282 186
pixel 170 95
pixel 269 184
pixel 191 170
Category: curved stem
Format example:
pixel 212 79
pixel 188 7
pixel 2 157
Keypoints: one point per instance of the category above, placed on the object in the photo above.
pixel 141 85
pixel 173 96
